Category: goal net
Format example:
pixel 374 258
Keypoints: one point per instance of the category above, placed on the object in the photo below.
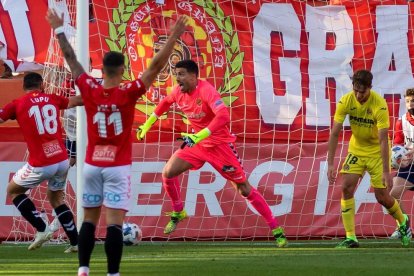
pixel 280 66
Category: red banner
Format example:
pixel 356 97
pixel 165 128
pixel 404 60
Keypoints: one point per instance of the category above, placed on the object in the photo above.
pixel 292 179
pixel 280 66
pixel 285 75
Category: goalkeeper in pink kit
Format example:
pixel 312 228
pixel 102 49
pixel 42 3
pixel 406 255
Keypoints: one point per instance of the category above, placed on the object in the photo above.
pixel 212 142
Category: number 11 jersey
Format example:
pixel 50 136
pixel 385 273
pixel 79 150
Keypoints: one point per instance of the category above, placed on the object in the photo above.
pixel 109 115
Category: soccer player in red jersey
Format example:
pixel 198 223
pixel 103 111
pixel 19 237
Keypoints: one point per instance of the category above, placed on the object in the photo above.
pixel 109 112
pixel 213 143
pixel 404 136
pixel 38 116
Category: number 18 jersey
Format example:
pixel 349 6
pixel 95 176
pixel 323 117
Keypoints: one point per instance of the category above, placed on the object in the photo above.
pixel 109 115
pixel 38 116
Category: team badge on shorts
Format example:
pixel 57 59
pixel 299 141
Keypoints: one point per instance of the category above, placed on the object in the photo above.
pixel 346 167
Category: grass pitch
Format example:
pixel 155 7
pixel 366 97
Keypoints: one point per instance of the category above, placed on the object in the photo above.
pixel 374 257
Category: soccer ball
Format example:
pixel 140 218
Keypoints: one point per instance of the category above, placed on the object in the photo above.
pixel 132 233
pixel 400 157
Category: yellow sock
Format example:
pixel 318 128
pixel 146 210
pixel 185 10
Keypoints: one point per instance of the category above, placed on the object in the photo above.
pixel 348 217
pixel 395 212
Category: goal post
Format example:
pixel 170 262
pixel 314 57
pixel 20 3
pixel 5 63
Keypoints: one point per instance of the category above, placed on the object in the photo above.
pixel 82 43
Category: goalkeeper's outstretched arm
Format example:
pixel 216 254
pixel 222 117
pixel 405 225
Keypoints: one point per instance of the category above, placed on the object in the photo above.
pixel 56 22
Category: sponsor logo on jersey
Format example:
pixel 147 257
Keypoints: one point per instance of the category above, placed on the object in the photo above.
pixel 104 153
pixel 52 148
pixel 361 121
pixel 196 115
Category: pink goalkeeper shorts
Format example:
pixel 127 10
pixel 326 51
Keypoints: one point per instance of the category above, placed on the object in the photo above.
pixel 224 158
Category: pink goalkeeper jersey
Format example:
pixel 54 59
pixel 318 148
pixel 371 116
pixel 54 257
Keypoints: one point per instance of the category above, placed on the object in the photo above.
pixel 200 107
pixel 38 116
pixel 109 115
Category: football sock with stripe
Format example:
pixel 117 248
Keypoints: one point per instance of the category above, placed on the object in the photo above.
pixel 172 187
pixel 113 247
pixel 29 212
pixel 65 217
pixel 348 217
pixel 261 206
pixel 396 212
pixel 86 243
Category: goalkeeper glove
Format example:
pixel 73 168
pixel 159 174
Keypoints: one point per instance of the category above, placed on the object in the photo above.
pixel 143 129
pixel 193 139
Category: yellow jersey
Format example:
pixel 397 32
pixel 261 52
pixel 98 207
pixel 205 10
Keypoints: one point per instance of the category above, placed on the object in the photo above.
pixel 365 120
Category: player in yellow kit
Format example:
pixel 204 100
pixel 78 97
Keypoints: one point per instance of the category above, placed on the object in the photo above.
pixel 368 152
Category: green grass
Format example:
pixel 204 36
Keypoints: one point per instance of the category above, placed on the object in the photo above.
pixel 374 257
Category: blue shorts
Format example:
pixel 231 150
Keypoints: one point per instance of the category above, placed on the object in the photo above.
pixel 70 147
pixel 407 174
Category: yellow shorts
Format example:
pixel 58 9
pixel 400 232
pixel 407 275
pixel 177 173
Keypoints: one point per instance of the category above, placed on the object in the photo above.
pixel 359 165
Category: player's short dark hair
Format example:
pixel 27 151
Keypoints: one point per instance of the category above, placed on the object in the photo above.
pixel 189 65
pixel 112 61
pixel 409 92
pixel 362 78
pixel 32 80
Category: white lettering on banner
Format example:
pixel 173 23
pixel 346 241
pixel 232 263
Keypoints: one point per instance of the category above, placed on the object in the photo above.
pixel 322 192
pixel 325 63
pixel 286 190
pixel 208 191
pixel 391 47
pixel 137 188
pixel 276 109
pixel 6 169
pixel 392 42
pixel 17 11
pixel 361 195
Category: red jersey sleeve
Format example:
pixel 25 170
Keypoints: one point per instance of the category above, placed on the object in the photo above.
pixel 86 83
pixel 398 133
pixel 8 112
pixel 136 89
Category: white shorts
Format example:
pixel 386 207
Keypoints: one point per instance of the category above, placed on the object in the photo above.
pixel 30 177
pixel 110 186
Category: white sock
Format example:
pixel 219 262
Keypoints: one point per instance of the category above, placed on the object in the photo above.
pixel 113 274
pixel 83 269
